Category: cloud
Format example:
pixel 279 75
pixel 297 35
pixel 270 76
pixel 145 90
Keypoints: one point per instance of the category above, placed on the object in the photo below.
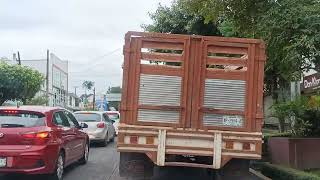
pixel 81 31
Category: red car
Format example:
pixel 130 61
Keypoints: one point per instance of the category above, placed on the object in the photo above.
pixel 40 140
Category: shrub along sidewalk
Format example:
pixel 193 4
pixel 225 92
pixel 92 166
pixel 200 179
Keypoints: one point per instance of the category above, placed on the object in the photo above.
pixel 278 172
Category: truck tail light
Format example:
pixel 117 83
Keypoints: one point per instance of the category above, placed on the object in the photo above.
pixel 150 140
pixel 246 146
pixel 229 145
pixel 134 139
pixel 101 125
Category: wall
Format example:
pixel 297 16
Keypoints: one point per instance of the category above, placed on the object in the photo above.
pixel 58 78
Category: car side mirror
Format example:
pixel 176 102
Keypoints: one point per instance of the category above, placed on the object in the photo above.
pixel 84 125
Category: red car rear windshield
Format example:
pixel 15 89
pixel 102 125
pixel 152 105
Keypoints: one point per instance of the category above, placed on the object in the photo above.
pixel 18 119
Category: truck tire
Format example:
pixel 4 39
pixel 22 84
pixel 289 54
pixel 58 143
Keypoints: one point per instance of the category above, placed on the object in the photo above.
pixel 136 165
pixel 234 169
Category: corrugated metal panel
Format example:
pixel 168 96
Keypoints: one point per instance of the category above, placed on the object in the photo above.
pixel 159 90
pixel 217 120
pixel 158 116
pixel 225 94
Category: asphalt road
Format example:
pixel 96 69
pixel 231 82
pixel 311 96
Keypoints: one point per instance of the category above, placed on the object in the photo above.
pixel 103 165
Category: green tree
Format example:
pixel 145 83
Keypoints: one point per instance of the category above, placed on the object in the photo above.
pixel 177 20
pixel 87 85
pixel 18 82
pixel 290 29
pixel 243 15
pixel 39 100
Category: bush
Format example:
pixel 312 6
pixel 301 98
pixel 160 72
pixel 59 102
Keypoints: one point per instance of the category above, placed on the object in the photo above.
pixel 312 120
pixel 303 114
pixel 283 173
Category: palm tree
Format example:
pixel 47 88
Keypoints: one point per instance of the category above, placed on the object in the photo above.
pixel 87 85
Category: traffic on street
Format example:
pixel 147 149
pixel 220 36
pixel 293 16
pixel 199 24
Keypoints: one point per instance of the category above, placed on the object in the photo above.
pixel 160 90
pixel 103 165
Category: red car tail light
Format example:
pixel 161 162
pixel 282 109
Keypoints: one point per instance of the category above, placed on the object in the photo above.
pixel 36 138
pixel 100 125
pixel 11 111
pixel 40 135
pixel 43 134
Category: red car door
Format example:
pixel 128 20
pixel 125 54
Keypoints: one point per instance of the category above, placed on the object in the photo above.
pixel 67 135
pixel 80 139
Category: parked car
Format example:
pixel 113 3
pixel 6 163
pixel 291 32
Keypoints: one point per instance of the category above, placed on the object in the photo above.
pixel 100 128
pixel 40 140
pixel 115 116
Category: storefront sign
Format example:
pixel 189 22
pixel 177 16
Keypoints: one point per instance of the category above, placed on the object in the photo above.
pixel 311 83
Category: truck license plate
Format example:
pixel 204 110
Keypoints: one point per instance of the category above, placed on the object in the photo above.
pixel 3 162
pixel 234 121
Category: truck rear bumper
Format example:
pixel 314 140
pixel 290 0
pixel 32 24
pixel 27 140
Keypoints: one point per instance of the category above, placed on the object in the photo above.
pixel 158 143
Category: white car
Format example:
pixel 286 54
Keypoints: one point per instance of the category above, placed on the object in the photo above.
pixel 115 116
pixel 100 126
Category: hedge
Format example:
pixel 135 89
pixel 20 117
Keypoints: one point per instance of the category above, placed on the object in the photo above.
pixel 283 173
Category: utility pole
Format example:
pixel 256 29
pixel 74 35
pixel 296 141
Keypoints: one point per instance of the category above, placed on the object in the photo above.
pixel 47 79
pixel 14 57
pixel 94 98
pixel 19 60
pixel 75 89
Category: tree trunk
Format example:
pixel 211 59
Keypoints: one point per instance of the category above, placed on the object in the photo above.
pixel 275 97
pixel 281 125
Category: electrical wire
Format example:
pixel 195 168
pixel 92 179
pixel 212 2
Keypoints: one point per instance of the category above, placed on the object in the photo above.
pixel 96 62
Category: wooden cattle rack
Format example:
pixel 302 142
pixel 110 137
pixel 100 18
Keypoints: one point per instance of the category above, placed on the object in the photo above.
pixel 192 84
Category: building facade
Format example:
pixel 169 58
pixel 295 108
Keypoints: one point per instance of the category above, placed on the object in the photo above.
pixel 74 103
pixel 57 78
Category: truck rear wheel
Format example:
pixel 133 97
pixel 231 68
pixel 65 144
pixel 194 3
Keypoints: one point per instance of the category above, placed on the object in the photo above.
pixel 135 165
pixel 234 169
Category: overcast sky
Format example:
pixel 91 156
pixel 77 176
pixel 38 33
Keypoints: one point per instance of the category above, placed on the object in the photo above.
pixel 87 33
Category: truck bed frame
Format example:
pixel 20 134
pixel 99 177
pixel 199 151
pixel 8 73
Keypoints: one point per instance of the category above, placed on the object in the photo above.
pixel 192 96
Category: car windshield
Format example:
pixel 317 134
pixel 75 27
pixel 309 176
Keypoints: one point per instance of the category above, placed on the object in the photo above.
pixel 88 117
pixel 17 119
pixel 114 116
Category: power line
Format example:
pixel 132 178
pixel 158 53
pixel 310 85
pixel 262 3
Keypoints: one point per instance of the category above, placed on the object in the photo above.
pixel 96 62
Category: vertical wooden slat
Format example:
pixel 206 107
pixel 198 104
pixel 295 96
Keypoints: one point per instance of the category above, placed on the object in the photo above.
pixel 260 82
pixel 185 96
pixel 197 83
pixel 131 79
pixel 137 69
pixel 250 88
pixel 255 88
pixel 202 74
pixel 190 72
pixel 125 80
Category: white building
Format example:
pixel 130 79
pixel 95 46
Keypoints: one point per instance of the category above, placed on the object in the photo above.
pixel 57 78
pixel 73 102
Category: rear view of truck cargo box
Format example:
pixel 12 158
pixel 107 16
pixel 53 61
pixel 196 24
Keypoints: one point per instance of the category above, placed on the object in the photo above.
pixel 193 101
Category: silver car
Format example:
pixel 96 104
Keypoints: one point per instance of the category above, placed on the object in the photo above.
pixel 115 116
pixel 100 126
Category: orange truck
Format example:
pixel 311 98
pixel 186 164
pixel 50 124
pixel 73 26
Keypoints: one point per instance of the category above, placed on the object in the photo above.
pixel 191 101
